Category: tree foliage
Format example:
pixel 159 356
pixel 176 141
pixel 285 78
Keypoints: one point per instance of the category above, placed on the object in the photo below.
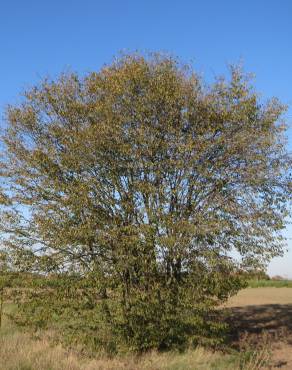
pixel 143 181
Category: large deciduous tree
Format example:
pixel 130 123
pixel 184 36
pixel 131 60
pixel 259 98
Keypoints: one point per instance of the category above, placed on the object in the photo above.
pixel 146 181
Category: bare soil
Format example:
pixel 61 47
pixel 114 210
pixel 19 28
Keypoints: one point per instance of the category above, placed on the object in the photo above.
pixel 264 315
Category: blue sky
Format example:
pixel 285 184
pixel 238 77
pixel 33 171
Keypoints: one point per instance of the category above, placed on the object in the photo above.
pixel 40 38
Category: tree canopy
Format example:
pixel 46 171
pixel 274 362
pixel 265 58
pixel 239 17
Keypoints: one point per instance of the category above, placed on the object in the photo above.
pixel 146 181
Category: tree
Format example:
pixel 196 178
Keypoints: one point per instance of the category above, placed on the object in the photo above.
pixel 142 180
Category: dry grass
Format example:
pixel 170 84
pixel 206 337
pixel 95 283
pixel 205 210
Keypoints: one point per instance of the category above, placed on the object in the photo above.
pixel 19 351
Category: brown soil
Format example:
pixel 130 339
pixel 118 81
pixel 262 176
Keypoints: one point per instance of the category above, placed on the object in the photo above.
pixel 261 316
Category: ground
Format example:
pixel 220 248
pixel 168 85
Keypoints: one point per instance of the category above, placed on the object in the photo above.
pixel 258 313
pixel 261 319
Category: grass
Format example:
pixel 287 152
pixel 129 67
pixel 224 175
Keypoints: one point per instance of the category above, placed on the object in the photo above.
pixel 270 283
pixel 22 351
pixel 19 351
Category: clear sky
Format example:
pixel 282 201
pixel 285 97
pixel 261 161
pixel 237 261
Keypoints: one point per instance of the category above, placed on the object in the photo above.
pixel 40 38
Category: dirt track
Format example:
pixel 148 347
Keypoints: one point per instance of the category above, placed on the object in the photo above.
pixel 258 313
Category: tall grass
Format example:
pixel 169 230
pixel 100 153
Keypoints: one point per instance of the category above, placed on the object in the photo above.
pixel 21 351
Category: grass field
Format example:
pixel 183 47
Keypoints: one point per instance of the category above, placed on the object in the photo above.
pixel 261 318
pixel 270 283
pixel 21 351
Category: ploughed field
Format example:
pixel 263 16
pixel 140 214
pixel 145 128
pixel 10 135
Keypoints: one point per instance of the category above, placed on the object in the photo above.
pixel 264 315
